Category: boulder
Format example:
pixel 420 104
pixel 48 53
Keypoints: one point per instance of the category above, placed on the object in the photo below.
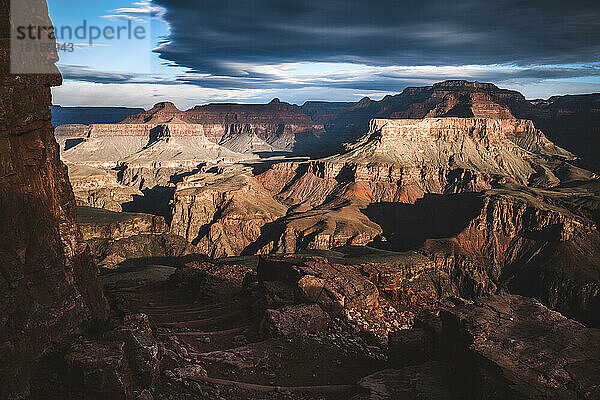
pixel 295 320
pixel 514 347
pixel 193 371
pixel 99 370
pixel 343 285
pixel 315 290
pixel 142 350
pixel 410 347
pixel 429 381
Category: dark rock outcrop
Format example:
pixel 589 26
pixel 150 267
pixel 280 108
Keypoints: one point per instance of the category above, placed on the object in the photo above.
pixel 99 370
pixel 428 381
pixel 48 281
pixel 294 320
pixel 344 283
pixel 96 223
pixel 514 347
pixel 499 347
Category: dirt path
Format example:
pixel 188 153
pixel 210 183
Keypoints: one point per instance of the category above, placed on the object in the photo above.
pixel 213 326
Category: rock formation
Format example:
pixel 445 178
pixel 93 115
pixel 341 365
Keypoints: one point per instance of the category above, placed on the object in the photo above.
pixel 478 196
pixel 161 113
pixel 49 288
pixel 116 237
pixel 97 223
pixel 500 347
pixel 99 188
pixel 571 122
pixel 519 349
pixel 223 210
pixel 112 164
pixel 281 125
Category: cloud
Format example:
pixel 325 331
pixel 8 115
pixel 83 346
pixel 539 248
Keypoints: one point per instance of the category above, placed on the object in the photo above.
pixel 227 44
pixel 90 94
pixel 88 74
pixel 374 78
pixel 121 17
pixel 138 12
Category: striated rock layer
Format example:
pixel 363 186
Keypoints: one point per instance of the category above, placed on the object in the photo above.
pixel 319 202
pixel 499 347
pixel 514 347
pixel 99 188
pixel 401 160
pixel 491 201
pixel 48 281
pixel 281 125
pixel 572 122
pixel 223 212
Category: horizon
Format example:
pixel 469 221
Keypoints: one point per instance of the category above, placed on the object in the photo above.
pixel 300 104
pixel 216 52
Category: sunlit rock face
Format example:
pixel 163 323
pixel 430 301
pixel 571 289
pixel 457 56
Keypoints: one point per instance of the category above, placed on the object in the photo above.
pixel 572 122
pixel 48 281
pixel 478 196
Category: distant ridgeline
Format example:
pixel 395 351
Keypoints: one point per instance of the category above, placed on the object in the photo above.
pixel 91 115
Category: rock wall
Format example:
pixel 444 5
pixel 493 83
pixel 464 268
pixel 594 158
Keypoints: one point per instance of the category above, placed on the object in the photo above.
pixel 223 214
pixel 48 281
pixel 103 224
pixel 528 246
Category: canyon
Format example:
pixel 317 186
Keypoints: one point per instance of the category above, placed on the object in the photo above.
pixel 514 194
pixel 241 251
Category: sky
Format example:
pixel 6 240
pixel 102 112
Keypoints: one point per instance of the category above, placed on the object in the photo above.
pixel 250 51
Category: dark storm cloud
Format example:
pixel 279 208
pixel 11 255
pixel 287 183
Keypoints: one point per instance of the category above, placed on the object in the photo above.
pixel 390 79
pixel 215 37
pixel 87 74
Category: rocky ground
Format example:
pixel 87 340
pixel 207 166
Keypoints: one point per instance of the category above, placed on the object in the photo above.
pixel 303 328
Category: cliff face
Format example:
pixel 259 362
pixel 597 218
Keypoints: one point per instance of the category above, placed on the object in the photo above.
pixel 48 281
pixel 223 213
pixel 402 160
pixel 481 197
pixel 445 99
pixel 571 122
pixel 99 188
pixel 268 121
pixel 280 126
pixel 397 161
pixel 103 224
pixel 526 243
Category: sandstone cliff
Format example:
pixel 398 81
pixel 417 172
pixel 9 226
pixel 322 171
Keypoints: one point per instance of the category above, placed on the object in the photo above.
pixel 223 212
pixel 99 188
pixel 48 281
pixel 401 160
pixel 571 122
